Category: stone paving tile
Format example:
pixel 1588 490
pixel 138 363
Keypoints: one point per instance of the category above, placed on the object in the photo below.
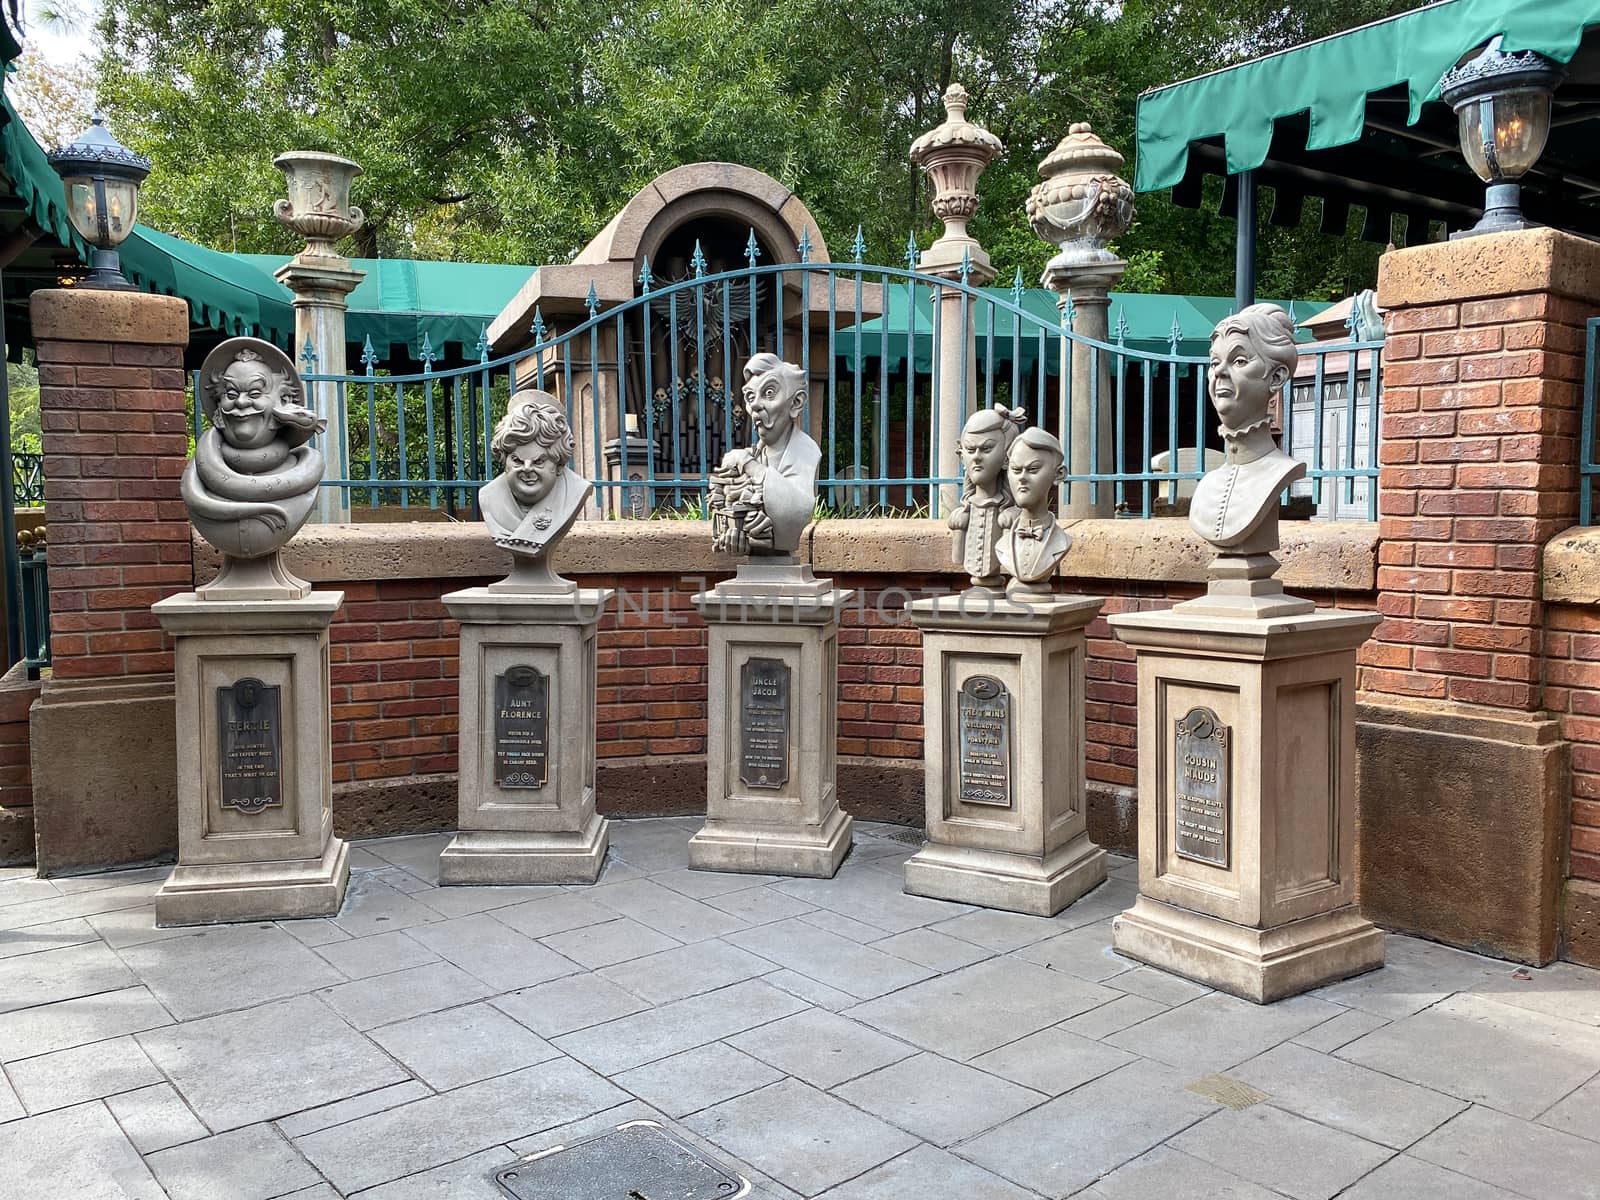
pixel 1516 1155
pixel 493 952
pixel 568 1004
pixel 438 1129
pixel 36 939
pixel 10 1107
pixel 18 889
pixel 1173 1175
pixel 1577 1113
pixel 372 906
pixel 938 1100
pixel 319 1192
pixel 666 911
pixel 134 927
pixel 874 897
pixel 253 1163
pixel 1340 1030
pixel 418 855
pixel 980 1007
pixel 846 927
pixel 809 990
pixel 1053 1060
pixel 553 914
pixel 924 1173
pixel 75 885
pixel 1113 1017
pixel 467 901
pixel 1559 990
pixel 999 931
pixel 70 1077
pixel 267 1062
pixel 821 1048
pixel 803 1138
pixel 650 846
pixel 1391 993
pixel 760 906
pixel 1216 1031
pixel 50 1027
pixel 465 1179
pixel 228 967
pixel 313 931
pixel 362 958
pixel 828 958
pixel 78 1152
pixel 936 951
pixel 681 1025
pixel 1347 1097
pixel 697 1079
pixel 618 941
pixel 1280 1150
pixel 1070 1142
pixel 383 999
pixel 1517 1061
pixel 33 979
pixel 1407 1178
pixel 703 885
pixel 1160 987
pixel 48 910
pixel 687 971
pixel 155 1117
pixel 326 1116
pixel 463 1045
pixel 1084 952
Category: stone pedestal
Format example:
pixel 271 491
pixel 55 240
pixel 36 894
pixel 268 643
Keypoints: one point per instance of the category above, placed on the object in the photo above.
pixel 772 724
pixel 255 808
pixel 1003 711
pixel 1247 800
pixel 526 775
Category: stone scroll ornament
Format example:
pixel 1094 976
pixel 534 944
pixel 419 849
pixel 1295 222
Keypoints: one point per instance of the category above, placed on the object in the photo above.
pixel 1031 544
pixel 975 525
pixel 254 476
pixel 762 497
pixel 537 496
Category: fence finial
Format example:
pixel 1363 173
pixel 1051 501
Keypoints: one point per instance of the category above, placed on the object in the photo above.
pixel 697 261
pixel 1016 288
pixel 1123 328
pixel 1069 312
pixel 538 326
pixel 308 357
pixel 369 356
pixel 965 270
pixel 805 243
pixel 913 255
pixel 427 355
pixel 751 250
pixel 592 301
pixel 483 344
pixel 858 248
pixel 1175 333
pixel 645 278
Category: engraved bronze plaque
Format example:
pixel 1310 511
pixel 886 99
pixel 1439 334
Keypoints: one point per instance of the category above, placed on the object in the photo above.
pixel 250 745
pixel 1203 795
pixel 764 723
pixel 983 727
pixel 521 728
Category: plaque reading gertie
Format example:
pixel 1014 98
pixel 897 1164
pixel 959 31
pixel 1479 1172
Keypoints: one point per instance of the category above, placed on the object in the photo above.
pixel 1202 797
pixel 521 728
pixel 984 718
pixel 251 742
pixel 764 723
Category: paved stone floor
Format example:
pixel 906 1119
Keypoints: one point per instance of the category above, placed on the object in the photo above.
pixel 825 1038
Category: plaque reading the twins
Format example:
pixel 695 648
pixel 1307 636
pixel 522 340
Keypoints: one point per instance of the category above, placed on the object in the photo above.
pixel 984 735
pixel 764 723
pixel 251 744
pixel 521 728
pixel 1201 799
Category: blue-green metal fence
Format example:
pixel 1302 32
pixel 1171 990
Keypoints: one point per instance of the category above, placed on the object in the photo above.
pixel 35 599
pixel 1587 466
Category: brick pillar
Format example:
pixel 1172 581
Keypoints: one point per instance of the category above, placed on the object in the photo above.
pixel 1464 775
pixel 114 433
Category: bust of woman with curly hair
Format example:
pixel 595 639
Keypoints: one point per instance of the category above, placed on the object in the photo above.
pixel 537 496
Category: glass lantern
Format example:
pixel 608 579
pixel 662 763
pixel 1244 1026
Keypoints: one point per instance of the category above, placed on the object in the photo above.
pixel 102 179
pixel 1502 104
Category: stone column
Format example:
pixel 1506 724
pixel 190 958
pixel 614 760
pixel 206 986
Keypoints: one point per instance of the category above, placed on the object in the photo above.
pixel 318 208
pixel 1081 206
pixel 115 438
pixel 954 154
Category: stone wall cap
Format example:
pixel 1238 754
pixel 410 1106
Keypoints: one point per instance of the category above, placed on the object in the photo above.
pixel 992 614
pixel 480 606
pixel 97 315
pixel 1264 638
pixel 1515 263
pixel 1457 719
pixel 1570 573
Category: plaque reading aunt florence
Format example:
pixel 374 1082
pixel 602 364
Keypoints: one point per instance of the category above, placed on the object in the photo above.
pixel 521 728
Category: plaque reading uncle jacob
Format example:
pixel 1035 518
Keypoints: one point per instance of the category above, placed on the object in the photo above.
pixel 251 746
pixel 984 719
pixel 521 728
pixel 1201 799
pixel 764 723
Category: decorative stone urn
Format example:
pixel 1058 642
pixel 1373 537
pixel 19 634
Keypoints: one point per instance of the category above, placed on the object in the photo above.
pixel 954 154
pixel 318 207
pixel 1082 204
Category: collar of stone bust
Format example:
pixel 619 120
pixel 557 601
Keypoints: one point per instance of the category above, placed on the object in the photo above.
pixel 1235 434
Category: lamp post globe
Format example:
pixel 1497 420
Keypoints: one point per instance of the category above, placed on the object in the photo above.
pixel 102 179
pixel 1502 105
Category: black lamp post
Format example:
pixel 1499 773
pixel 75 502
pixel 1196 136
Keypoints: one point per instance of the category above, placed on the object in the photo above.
pixel 102 178
pixel 1502 103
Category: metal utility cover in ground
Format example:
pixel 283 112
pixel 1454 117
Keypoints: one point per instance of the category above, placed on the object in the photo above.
pixel 636 1161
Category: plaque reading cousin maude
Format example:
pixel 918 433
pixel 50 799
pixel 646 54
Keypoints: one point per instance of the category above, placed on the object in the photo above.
pixel 1203 796
pixel 251 746
pixel 521 728
pixel 983 716
pixel 764 723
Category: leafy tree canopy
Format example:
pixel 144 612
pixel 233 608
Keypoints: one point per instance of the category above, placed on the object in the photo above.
pixel 511 130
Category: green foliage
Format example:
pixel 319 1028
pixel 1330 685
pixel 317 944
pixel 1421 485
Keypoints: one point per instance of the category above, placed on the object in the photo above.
pixel 22 382
pixel 512 130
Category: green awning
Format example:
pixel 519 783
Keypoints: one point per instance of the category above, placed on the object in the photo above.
pixel 1331 79
pixel 224 293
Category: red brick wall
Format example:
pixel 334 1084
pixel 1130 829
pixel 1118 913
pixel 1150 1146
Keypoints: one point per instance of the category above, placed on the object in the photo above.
pixel 17 695
pixel 1572 688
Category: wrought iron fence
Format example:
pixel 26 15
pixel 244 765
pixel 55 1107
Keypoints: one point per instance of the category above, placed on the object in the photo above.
pixel 651 385
pixel 35 601
pixel 27 478
pixel 1587 466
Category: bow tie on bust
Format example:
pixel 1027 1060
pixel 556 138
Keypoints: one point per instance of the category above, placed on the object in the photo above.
pixel 1033 533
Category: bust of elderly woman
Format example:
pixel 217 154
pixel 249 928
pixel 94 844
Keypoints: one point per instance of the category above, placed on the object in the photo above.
pixel 253 479
pixel 537 496
pixel 1235 506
